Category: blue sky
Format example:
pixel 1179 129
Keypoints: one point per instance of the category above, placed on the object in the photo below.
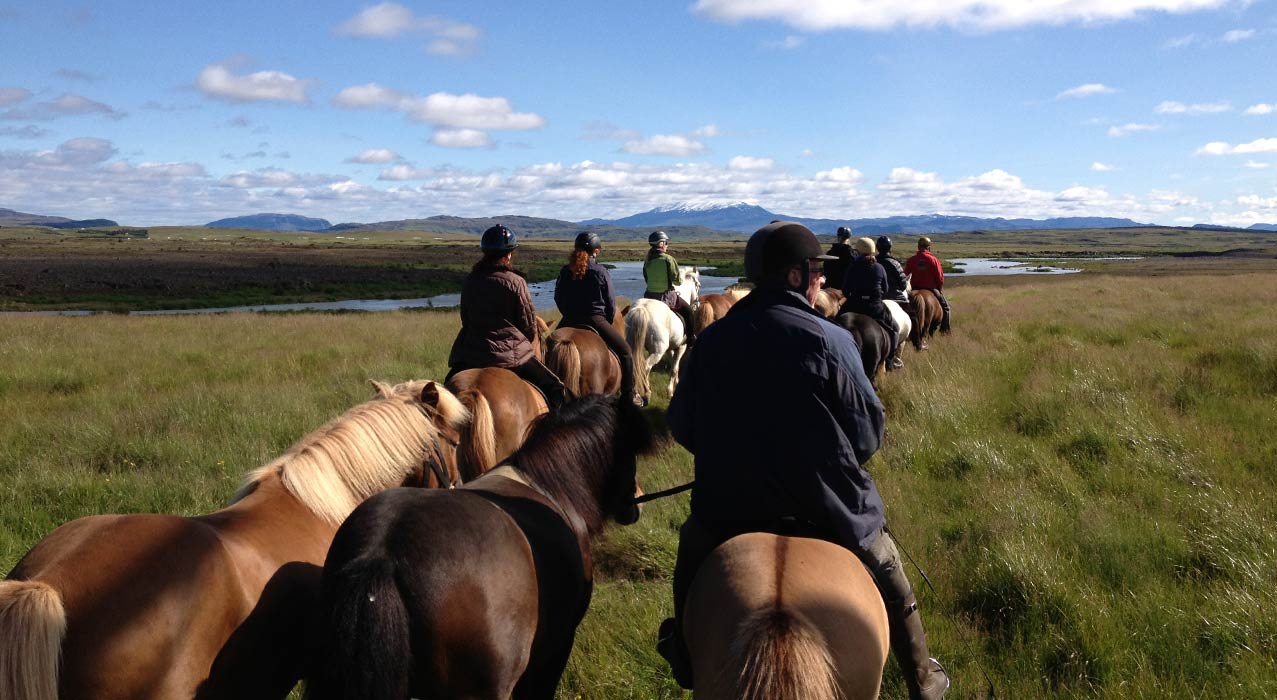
pixel 1162 111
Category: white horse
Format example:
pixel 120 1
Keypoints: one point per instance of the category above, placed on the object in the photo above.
pixel 652 330
pixel 903 322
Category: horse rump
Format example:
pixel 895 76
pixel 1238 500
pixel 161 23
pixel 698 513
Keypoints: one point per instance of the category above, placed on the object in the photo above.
pixel 32 626
pixel 363 648
pixel 782 657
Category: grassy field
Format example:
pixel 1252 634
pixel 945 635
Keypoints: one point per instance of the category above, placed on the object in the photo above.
pixel 1087 467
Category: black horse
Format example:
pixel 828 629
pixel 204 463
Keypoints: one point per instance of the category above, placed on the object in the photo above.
pixel 872 339
pixel 476 592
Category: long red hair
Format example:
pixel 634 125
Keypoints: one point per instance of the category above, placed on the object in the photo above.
pixel 577 262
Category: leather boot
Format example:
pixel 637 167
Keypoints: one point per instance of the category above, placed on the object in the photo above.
pixel 924 676
pixel 670 645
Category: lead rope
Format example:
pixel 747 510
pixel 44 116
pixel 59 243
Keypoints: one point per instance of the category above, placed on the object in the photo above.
pixel 662 494
pixel 962 634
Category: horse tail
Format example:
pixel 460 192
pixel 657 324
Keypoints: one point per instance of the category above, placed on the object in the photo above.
pixel 33 624
pixel 565 361
pixel 364 648
pixel 637 325
pixel 782 657
pixel 704 316
pixel 479 449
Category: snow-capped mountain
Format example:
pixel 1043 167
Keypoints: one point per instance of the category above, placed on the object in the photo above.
pixel 727 217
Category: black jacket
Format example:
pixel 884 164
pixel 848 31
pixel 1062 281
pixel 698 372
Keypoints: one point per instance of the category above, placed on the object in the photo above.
pixel 774 404
pixel 896 281
pixel 589 296
pixel 835 270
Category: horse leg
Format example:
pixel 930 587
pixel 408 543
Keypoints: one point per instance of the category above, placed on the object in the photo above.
pixel 675 366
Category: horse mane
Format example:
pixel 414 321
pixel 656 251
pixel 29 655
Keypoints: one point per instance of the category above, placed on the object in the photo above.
pixel 367 449
pixel 574 454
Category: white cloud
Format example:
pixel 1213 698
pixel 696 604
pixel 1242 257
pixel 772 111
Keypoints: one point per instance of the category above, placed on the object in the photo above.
pixel 1237 35
pixel 750 163
pixel 1260 109
pixel 13 95
pixel 806 153
pixel 988 15
pixel 461 138
pixel 375 156
pixel 64 106
pixel 442 109
pixel 708 131
pixel 368 95
pixel 1180 42
pixel 403 172
pixel 30 131
pixel 1118 132
pixel 1256 165
pixel 1099 167
pixel 664 145
pixel 1172 107
pixel 263 86
pixel 1220 148
pixel 389 20
pixel 1087 90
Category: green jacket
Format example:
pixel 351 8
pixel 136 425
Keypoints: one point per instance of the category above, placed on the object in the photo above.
pixel 661 273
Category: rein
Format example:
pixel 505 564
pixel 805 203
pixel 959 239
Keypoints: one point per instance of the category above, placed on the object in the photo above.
pixel 662 494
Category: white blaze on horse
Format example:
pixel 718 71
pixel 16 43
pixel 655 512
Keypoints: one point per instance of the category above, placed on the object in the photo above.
pixel 652 330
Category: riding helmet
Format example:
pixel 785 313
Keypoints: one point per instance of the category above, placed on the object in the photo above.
pixel 884 245
pixel 777 246
pixel 498 239
pixel 844 233
pixel 657 238
pixel 924 243
pixel 587 241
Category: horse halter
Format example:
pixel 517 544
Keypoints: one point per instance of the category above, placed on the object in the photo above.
pixel 436 465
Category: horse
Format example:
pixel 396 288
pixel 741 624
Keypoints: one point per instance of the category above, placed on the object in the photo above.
pixel 871 338
pixel 502 408
pixel 652 330
pixel 711 308
pixel 585 363
pixel 785 618
pixel 903 322
pixel 927 315
pixel 739 291
pixel 476 592
pixel 829 301
pixel 153 607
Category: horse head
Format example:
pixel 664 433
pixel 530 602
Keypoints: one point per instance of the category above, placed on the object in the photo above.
pixel 447 415
pixel 689 284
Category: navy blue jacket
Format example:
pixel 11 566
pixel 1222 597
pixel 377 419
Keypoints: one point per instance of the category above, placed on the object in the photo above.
pixel 896 281
pixel 589 296
pixel 864 282
pixel 774 404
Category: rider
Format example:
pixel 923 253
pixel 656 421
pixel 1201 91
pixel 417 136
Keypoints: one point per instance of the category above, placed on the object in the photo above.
pixel 660 270
pixel 798 466
pixel 585 297
pixel 498 321
pixel 926 273
pixel 866 286
pixel 835 270
pixel 896 281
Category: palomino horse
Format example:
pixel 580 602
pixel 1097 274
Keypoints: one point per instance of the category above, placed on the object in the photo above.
pixel 155 607
pixel 652 330
pixel 476 592
pixel 927 315
pixel 580 358
pixel 711 308
pixel 903 322
pixel 502 408
pixel 873 340
pixel 785 618
pixel 828 301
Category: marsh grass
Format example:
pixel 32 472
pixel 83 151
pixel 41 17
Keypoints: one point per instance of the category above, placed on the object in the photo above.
pixel 1086 469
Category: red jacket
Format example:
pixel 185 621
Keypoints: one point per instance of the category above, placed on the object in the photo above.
pixel 926 271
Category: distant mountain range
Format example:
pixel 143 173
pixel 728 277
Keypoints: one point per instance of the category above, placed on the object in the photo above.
pixel 9 217
pixel 529 226
pixel 272 222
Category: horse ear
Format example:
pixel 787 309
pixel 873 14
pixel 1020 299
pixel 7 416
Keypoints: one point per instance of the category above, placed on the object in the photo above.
pixel 626 310
pixel 381 390
pixel 430 395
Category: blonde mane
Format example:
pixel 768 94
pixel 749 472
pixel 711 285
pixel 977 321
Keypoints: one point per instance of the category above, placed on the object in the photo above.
pixel 370 448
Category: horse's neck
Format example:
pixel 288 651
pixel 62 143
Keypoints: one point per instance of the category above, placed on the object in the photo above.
pixel 270 514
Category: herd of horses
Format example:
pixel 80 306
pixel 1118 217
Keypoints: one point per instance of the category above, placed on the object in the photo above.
pixel 434 542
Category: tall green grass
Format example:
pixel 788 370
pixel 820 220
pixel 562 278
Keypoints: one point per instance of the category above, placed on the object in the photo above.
pixel 1086 468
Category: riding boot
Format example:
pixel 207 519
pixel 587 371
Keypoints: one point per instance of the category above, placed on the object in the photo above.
pixel 925 678
pixel 671 647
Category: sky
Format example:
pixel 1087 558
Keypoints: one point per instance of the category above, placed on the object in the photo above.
pixel 179 113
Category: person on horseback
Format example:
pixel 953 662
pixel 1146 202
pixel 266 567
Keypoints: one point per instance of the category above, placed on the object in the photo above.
pixel 660 271
pixel 752 471
pixel 586 299
pixel 498 321
pixel 865 286
pixel 896 280
pixel 835 270
pixel 926 273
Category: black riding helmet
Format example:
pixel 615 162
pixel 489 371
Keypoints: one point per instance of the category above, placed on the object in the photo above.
pixel 844 233
pixel 657 238
pixel 498 239
pixel 884 245
pixel 587 241
pixel 778 246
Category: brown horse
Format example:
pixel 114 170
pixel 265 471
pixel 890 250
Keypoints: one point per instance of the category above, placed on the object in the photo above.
pixel 785 618
pixel 711 308
pixel 155 607
pixel 873 340
pixel 502 408
pixel 476 592
pixel 927 314
pixel 583 361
